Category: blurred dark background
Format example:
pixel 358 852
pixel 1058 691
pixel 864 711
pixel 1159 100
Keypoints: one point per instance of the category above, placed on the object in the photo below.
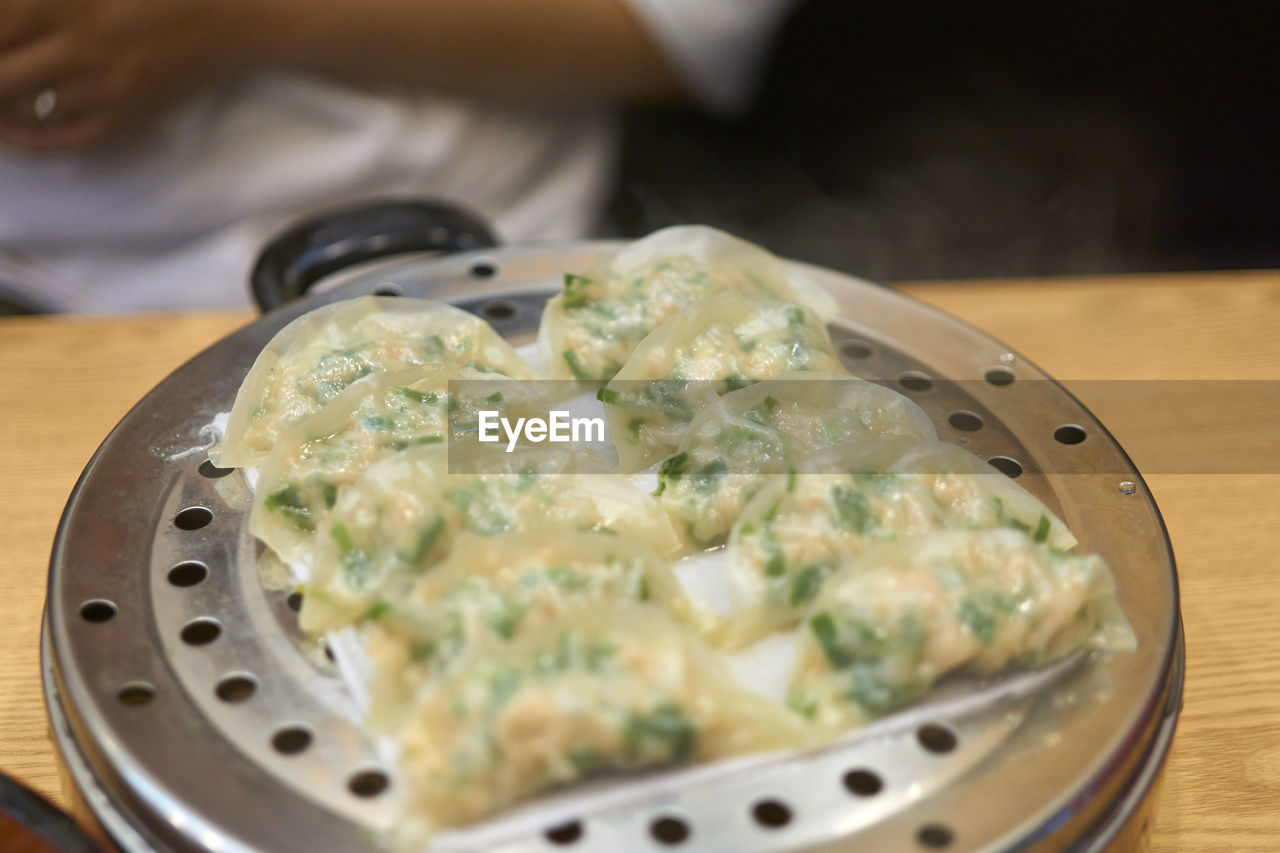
pixel 903 140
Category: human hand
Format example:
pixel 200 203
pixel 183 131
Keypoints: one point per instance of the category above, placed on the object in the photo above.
pixel 111 63
pixel 114 63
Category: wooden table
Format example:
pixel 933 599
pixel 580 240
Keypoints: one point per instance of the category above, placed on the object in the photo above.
pixel 66 381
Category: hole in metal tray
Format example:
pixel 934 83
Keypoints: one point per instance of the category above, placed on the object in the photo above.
pixel 965 421
pixel 1000 376
pixel 188 573
pixel 213 472
pixel 368 783
pixel 484 268
pixel 565 834
pixel 935 738
pixel 201 632
pixel 137 693
pixel 669 830
pixel 97 610
pixel 237 687
pixel 862 783
pixel 499 310
pixel 915 380
pixel 771 814
pixel 291 740
pixel 935 836
pixel 1006 465
pixel 1069 434
pixel 856 350
pixel 192 518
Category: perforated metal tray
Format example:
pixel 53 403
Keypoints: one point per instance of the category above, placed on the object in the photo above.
pixel 193 715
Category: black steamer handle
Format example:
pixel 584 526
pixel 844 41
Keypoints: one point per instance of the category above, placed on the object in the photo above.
pixel 324 244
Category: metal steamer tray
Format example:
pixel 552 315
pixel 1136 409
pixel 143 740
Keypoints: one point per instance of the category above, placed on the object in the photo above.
pixel 193 715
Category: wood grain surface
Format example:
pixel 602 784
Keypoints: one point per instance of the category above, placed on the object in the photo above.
pixel 66 381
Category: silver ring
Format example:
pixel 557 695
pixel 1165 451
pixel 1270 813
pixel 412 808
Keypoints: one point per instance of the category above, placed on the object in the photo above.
pixel 45 104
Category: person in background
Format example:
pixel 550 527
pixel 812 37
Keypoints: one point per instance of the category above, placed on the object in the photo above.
pixel 149 149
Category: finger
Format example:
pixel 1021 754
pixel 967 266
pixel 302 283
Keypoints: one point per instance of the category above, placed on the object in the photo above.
pixel 81 132
pixel 75 97
pixel 28 111
pixel 32 67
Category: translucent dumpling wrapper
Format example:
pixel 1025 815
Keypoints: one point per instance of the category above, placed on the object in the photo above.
pixel 501 588
pixel 742 439
pixel 892 621
pixel 794 532
pixel 722 343
pixel 591 328
pixel 312 462
pixel 605 688
pixel 316 357
pixel 402 516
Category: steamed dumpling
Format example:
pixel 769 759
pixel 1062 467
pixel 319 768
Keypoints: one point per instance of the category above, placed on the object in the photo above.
pixel 738 441
pixel 891 622
pixel 605 688
pixel 796 530
pixel 317 356
pixel 502 587
pixel 303 476
pixel 720 344
pixel 591 328
pixel 403 515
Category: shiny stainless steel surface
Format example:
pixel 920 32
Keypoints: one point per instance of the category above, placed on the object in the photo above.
pixel 194 767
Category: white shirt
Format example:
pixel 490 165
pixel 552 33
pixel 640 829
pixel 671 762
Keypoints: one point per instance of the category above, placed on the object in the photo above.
pixel 174 218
